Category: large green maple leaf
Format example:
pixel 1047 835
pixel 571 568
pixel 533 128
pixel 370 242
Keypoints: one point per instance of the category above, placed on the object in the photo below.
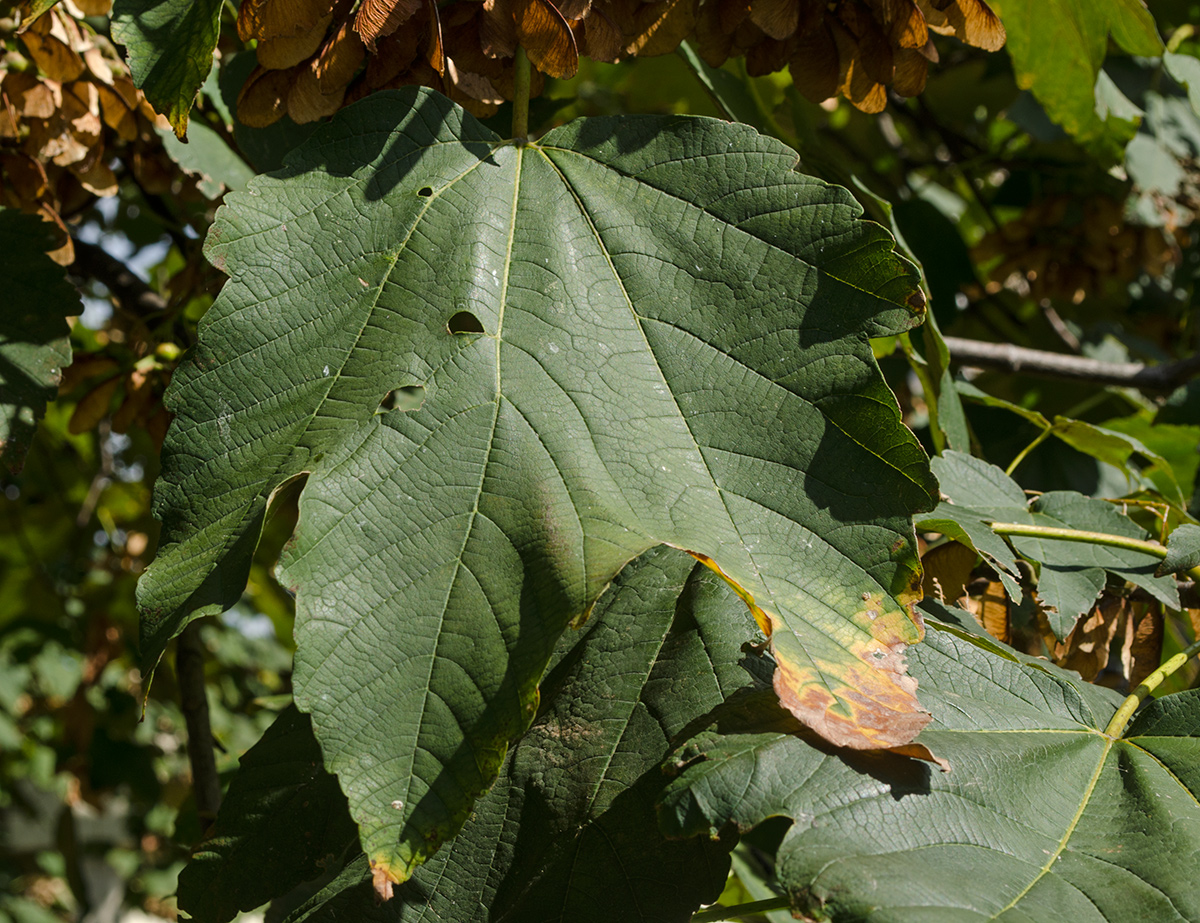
pixel 635 332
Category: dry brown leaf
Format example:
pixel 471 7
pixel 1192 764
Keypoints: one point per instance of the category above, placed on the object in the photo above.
pixel 777 18
pixel 435 52
pixel 872 52
pixel 658 28
pixel 713 43
pixel 94 7
pixel 1141 649
pixel 27 177
pixel 547 39
pixel 814 64
pixel 93 406
pixel 573 9
pixel 971 21
pixel 98 67
pixel 30 96
pixel 992 611
pixel 602 40
pixel 902 22
pixel 96 176
pixel 52 52
pixel 767 56
pixel 139 395
pixel 81 369
pixel 284 51
pixel 267 19
pixel 497 29
pixel 306 102
pixel 476 87
pixel 396 55
pixel 263 99
pixel 339 59
pixel 1086 649
pixel 912 69
pixel 116 113
pixel 377 19
pixel 947 569
pixel 64 253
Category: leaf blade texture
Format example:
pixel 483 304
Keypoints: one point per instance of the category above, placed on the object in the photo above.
pixel 633 333
pixel 568 834
pixel 1044 816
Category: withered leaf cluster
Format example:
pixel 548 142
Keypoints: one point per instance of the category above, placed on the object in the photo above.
pixel 66 103
pixel 316 55
pixel 857 48
pixel 1064 248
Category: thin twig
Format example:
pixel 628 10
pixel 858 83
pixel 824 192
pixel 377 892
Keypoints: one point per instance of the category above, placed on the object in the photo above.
pixel 1009 358
pixel 189 667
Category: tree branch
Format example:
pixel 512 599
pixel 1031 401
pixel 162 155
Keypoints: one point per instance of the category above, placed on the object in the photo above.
pixel 130 291
pixel 189 667
pixel 1009 358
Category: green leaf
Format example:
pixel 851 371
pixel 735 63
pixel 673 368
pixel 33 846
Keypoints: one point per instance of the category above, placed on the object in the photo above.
pixel 1123 451
pixel 1057 47
pixel 207 157
pixel 1183 550
pixel 1185 69
pixel 1044 816
pixel 283 822
pixel 1066 508
pixel 636 332
pixel 169 45
pixel 34 348
pixel 572 815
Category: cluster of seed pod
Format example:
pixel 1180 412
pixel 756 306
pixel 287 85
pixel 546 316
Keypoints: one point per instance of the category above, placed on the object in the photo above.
pixel 1064 248
pixel 311 52
pixel 66 101
pixel 857 48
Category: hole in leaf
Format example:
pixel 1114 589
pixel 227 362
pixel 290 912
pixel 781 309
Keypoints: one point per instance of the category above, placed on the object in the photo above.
pixel 464 322
pixel 405 399
pixel 425 191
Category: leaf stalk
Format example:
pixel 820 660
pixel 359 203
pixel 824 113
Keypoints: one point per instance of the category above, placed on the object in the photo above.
pixel 1116 727
pixel 1091 538
pixel 520 122
pixel 738 911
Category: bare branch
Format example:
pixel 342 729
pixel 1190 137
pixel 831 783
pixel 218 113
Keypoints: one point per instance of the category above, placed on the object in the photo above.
pixel 1009 358
pixel 189 667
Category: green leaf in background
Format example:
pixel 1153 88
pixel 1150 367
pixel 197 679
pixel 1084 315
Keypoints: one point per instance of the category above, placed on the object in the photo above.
pixel 1183 550
pixel 169 46
pixel 1073 573
pixel 207 157
pixel 602 374
pixel 1140 464
pixel 1045 816
pixel 34 348
pixel 1185 69
pixel 568 833
pixel 1057 47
